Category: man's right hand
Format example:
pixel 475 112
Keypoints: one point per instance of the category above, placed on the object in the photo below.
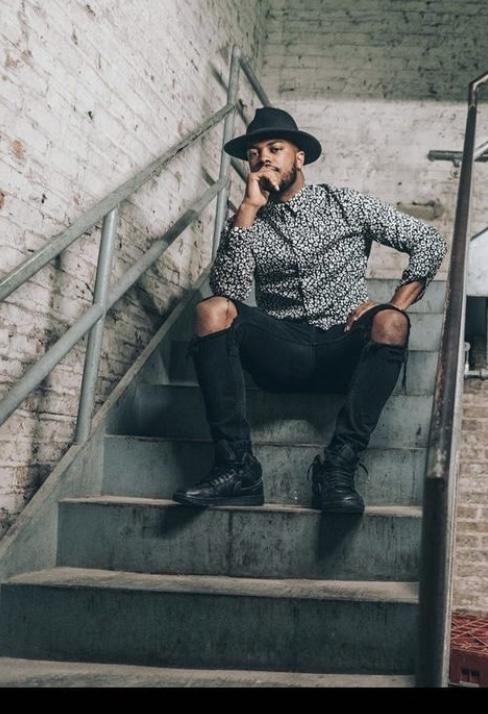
pixel 259 186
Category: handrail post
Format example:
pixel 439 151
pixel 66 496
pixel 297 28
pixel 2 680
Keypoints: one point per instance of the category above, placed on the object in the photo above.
pixel 439 497
pixel 94 346
pixel 254 82
pixel 41 257
pixel 229 123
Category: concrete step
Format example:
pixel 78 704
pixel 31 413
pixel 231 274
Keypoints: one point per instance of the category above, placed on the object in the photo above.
pixel 210 622
pixel 179 411
pixel 16 672
pixel 156 467
pixel 379 290
pixel 421 369
pixel 382 290
pixel 169 365
pixel 156 536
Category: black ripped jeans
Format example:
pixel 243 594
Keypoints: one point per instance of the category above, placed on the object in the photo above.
pixel 291 356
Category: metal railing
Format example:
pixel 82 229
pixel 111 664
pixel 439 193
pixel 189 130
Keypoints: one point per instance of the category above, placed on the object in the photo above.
pixel 438 521
pixel 440 478
pixel 93 320
pixel 480 154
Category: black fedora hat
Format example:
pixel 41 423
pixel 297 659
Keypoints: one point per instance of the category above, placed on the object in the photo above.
pixel 271 122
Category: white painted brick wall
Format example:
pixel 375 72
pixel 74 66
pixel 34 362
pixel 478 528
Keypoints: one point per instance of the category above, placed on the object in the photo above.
pixel 90 93
pixel 381 84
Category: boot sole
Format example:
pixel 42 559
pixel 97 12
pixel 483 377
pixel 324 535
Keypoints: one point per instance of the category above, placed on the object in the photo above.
pixel 237 501
pixel 342 508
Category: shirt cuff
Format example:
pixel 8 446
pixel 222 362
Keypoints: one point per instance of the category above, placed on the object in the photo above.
pixel 241 233
pixel 410 278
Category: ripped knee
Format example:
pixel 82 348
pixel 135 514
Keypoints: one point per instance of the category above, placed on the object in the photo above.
pixel 214 314
pixel 391 327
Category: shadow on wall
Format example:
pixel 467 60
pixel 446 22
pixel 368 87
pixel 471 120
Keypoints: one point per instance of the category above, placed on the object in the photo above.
pixel 390 50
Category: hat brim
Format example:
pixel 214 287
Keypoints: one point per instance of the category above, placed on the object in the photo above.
pixel 306 142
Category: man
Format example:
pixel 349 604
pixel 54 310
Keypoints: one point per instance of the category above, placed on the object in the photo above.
pixel 314 327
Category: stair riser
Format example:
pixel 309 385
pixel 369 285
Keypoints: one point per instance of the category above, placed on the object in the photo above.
pixel 16 672
pixel 186 540
pixel 425 334
pixel 199 630
pixel 420 371
pixel 155 469
pixel 379 290
pixel 279 418
pixel 382 290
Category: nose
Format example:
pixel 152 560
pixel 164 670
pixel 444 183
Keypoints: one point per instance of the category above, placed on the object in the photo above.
pixel 264 157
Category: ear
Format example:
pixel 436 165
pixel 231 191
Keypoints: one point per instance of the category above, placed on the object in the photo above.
pixel 300 158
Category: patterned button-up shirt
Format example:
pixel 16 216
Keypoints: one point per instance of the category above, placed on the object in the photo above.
pixel 311 264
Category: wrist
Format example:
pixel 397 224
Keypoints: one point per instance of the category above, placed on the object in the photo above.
pixel 248 205
pixel 406 294
pixel 246 215
pixel 402 304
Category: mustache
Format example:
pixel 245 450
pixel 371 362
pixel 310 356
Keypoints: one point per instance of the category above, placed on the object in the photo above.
pixel 284 181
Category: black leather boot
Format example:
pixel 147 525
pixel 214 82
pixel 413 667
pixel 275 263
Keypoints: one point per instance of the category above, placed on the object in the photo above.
pixel 333 481
pixel 235 479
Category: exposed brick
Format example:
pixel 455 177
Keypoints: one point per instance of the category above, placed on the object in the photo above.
pixel 473 490
pixel 465 541
pixel 333 67
pixel 79 118
pixel 469 513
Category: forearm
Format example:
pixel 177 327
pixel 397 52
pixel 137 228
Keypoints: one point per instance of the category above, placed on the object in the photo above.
pixel 245 216
pixel 232 271
pixel 406 294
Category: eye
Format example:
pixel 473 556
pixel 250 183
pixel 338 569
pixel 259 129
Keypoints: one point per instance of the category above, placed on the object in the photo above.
pixel 274 149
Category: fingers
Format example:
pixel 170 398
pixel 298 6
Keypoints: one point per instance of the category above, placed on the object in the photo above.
pixel 357 313
pixel 266 184
pixel 267 179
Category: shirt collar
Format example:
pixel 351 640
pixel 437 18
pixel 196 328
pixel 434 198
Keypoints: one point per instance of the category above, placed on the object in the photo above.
pixel 294 205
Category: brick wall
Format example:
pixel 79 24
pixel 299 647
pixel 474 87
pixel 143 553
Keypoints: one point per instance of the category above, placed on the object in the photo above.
pixel 471 559
pixel 380 84
pixel 90 93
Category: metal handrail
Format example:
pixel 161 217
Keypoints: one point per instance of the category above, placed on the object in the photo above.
pixel 44 255
pixel 437 544
pixel 480 154
pixel 235 163
pixel 478 234
pixel 224 157
pixel 107 209
pixel 40 369
pixel 254 81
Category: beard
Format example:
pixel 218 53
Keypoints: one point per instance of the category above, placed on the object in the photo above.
pixel 287 180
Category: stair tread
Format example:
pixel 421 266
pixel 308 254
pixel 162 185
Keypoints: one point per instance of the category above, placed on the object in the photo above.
pixel 393 510
pixel 264 442
pixel 363 591
pixel 157 410
pixel 51 673
pixel 275 395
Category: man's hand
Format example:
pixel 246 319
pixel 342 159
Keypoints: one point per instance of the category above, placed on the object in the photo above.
pixel 356 314
pixel 259 186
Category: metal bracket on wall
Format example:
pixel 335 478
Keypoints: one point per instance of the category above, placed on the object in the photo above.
pixel 480 154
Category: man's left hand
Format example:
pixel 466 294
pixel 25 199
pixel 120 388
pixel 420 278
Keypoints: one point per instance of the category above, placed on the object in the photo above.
pixel 356 314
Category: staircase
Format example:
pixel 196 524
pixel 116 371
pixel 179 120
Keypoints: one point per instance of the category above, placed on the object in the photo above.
pixel 146 592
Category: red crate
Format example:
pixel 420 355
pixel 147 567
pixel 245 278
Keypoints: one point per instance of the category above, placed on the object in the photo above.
pixel 469 650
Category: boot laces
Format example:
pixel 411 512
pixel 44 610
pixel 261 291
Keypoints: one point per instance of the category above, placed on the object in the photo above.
pixel 222 473
pixel 337 478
